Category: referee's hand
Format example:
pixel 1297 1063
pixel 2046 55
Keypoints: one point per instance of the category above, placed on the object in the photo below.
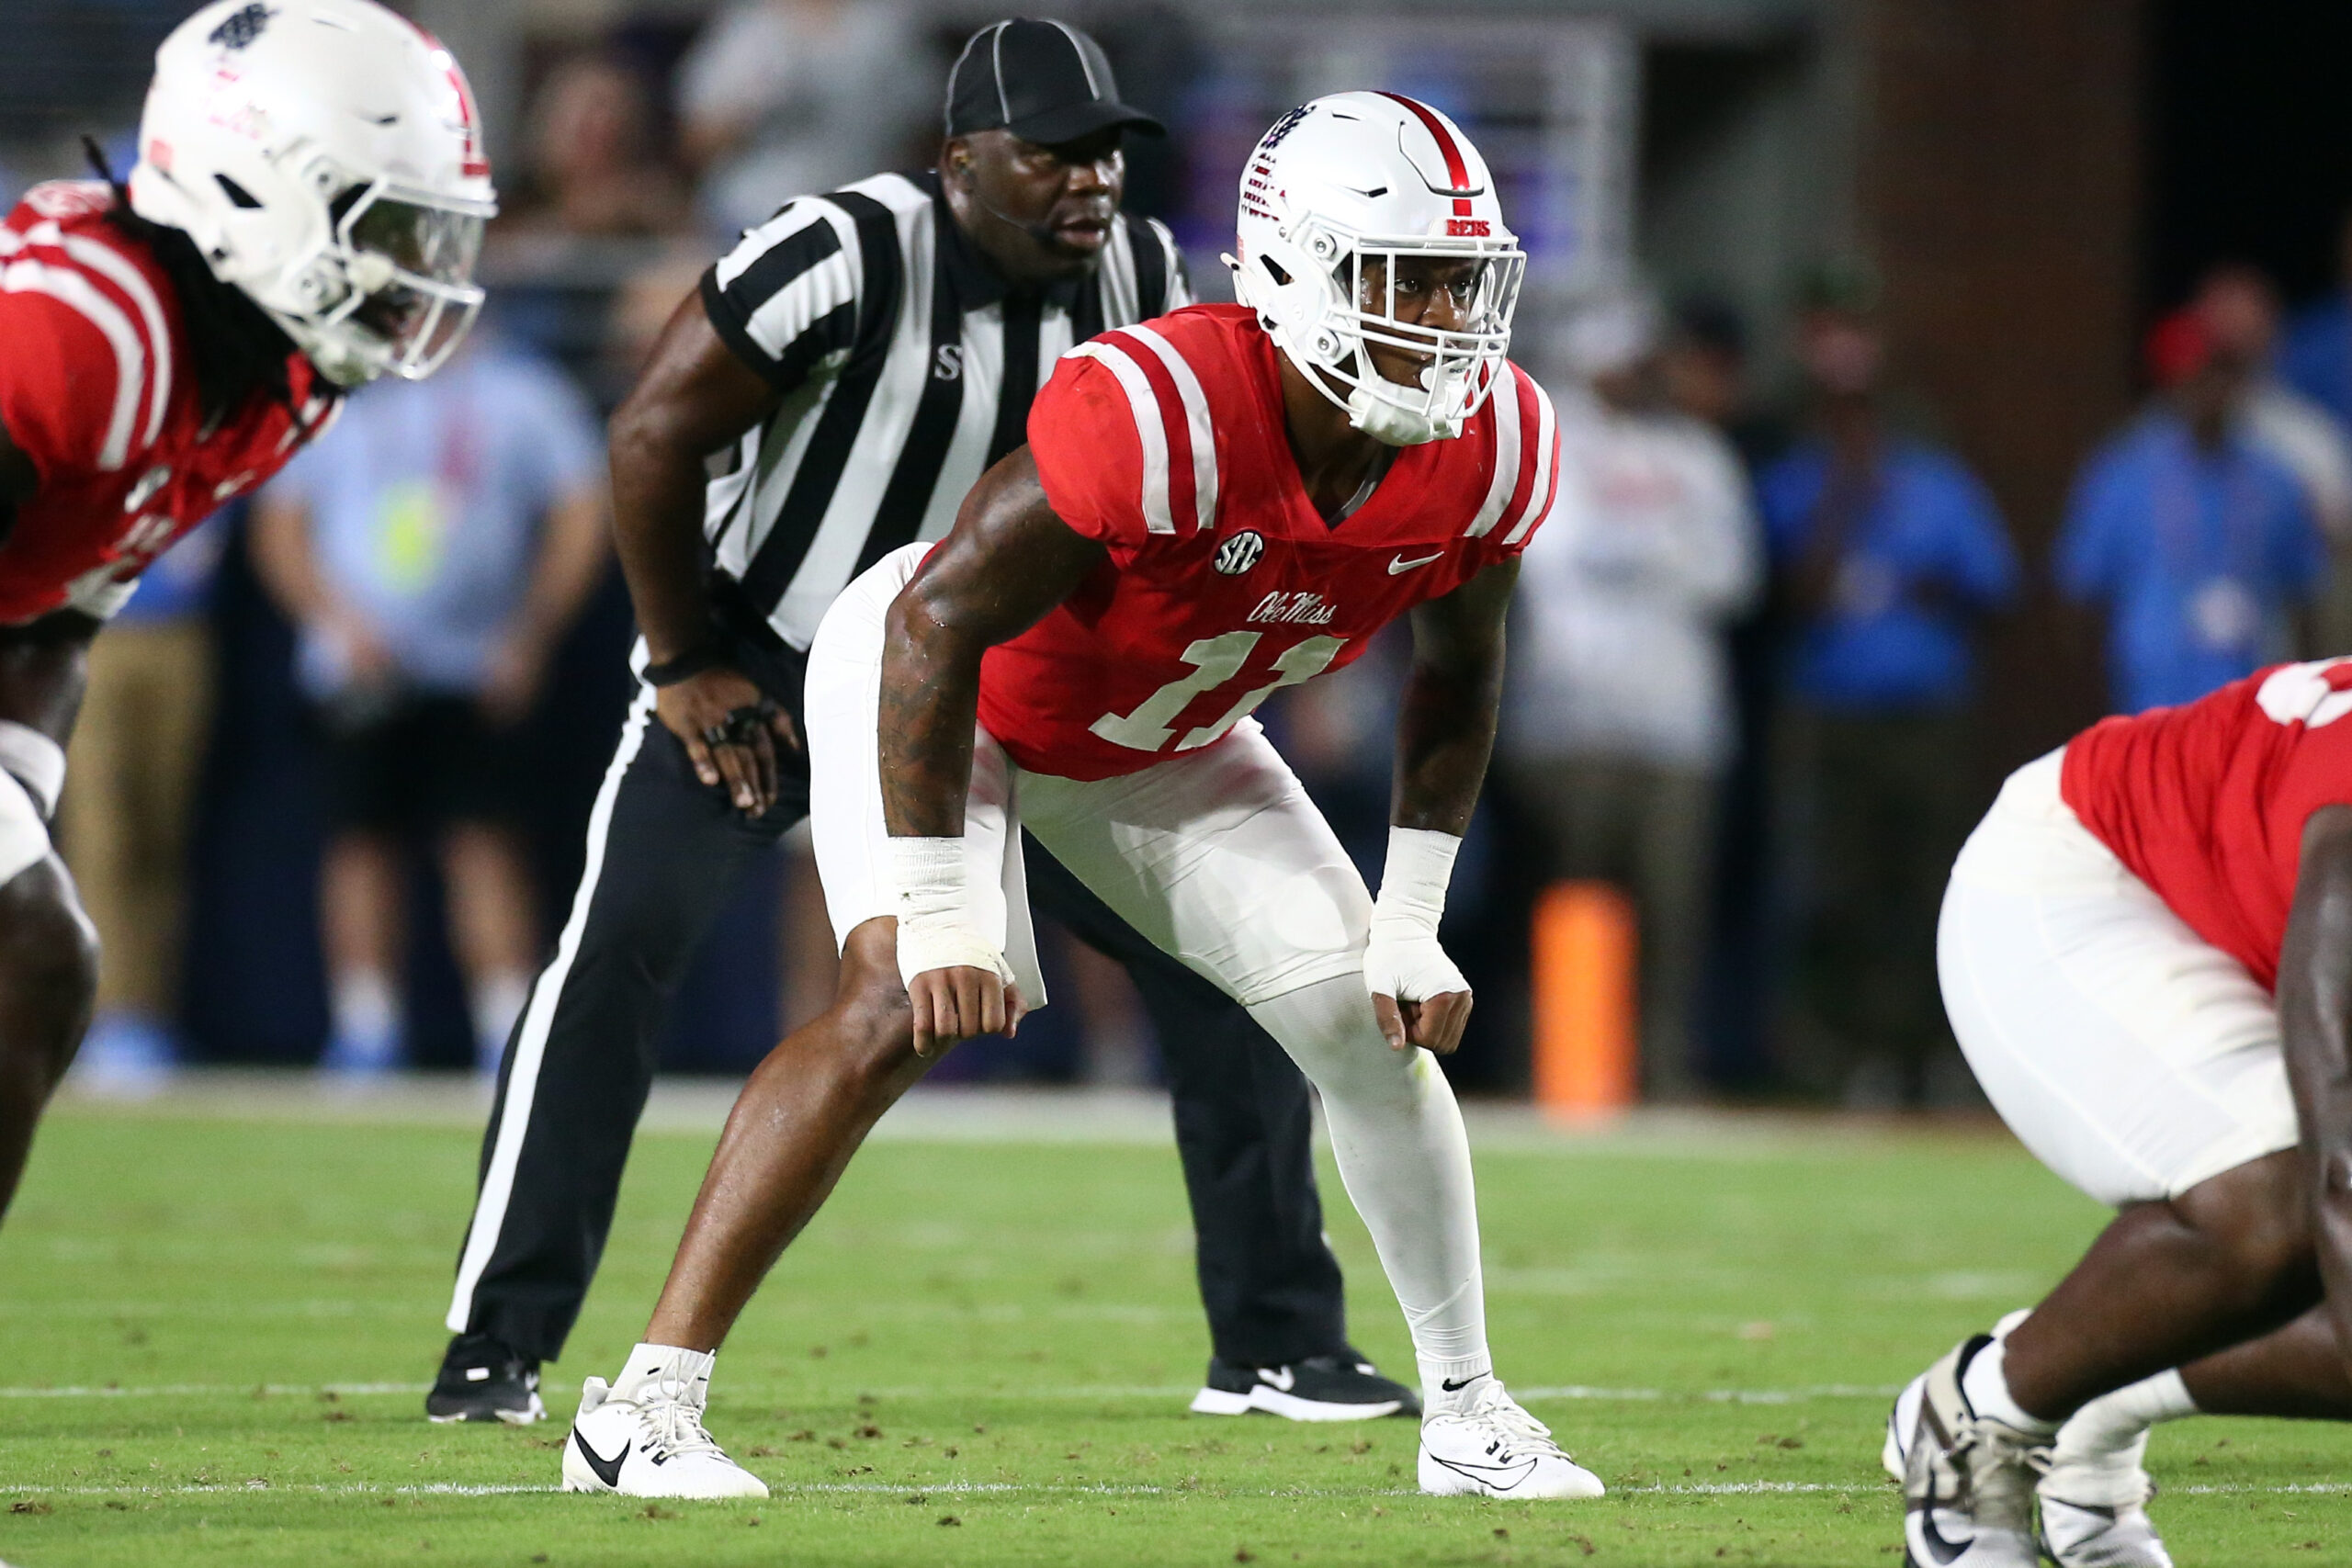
pixel 744 762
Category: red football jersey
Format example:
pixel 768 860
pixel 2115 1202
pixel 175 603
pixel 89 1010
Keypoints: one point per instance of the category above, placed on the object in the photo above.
pixel 97 389
pixel 1167 442
pixel 2206 802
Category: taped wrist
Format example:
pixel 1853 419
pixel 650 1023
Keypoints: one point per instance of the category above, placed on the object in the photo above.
pixel 932 898
pixel 1403 959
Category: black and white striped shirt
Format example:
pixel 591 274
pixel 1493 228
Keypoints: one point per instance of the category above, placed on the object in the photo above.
pixel 907 366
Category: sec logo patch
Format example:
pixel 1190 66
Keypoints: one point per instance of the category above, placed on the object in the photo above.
pixel 1240 553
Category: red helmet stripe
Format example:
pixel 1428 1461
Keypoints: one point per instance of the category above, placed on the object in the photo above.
pixel 1456 168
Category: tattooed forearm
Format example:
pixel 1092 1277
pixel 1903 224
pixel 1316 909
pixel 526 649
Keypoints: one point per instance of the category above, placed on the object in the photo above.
pixel 1007 563
pixel 931 691
pixel 1445 723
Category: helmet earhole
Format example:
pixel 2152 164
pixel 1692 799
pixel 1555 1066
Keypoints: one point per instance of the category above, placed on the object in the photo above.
pixel 1276 273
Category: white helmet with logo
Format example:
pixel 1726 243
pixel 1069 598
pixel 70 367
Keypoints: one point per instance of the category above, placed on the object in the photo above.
pixel 1340 191
pixel 326 158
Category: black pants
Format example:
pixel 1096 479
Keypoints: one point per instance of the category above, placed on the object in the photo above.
pixel 665 853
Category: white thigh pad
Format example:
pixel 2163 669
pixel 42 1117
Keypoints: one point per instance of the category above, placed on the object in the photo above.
pixel 1218 857
pixel 2134 1058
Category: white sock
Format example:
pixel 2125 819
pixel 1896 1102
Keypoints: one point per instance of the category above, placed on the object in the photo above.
pixel 1397 1135
pixel 1985 1381
pixel 2097 1457
pixel 497 1003
pixel 365 1016
pixel 668 1371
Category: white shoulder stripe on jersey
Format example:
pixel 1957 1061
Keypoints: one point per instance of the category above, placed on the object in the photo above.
pixel 72 288
pixel 132 282
pixel 1149 429
pixel 1545 483
pixel 1504 400
pixel 1196 422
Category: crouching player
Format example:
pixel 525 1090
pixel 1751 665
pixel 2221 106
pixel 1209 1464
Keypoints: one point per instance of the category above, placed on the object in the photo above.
pixel 1214 505
pixel 2147 952
pixel 304 216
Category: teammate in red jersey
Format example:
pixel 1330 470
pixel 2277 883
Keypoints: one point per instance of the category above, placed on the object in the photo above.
pixel 2147 952
pixel 1211 506
pixel 304 216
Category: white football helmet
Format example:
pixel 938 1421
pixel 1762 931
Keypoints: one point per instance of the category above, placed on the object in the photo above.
pixel 326 158
pixel 1340 191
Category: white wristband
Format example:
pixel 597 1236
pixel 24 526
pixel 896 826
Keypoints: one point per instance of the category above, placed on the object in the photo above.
pixel 1403 959
pixel 932 898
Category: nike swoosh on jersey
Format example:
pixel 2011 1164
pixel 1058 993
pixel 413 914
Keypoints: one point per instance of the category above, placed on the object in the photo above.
pixel 1491 1474
pixel 1400 564
pixel 608 1470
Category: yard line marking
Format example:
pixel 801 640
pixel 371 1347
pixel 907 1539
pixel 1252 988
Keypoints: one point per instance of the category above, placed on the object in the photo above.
pixel 1105 1489
pixel 1106 1390
pixel 197 1390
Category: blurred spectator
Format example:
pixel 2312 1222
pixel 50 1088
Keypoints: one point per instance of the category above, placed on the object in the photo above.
pixel 593 169
pixel 123 824
pixel 1707 378
pixel 2196 539
pixel 2240 313
pixel 1886 552
pixel 781 97
pixel 2316 359
pixel 1705 365
pixel 1620 718
pixel 431 550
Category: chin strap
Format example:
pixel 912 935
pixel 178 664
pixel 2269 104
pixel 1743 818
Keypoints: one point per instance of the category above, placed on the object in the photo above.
pixel 1390 423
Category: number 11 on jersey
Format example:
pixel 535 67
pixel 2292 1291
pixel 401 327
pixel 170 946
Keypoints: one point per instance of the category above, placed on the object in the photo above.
pixel 1214 661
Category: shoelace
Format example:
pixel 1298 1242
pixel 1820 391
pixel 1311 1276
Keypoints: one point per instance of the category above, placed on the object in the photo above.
pixel 1499 1410
pixel 673 1426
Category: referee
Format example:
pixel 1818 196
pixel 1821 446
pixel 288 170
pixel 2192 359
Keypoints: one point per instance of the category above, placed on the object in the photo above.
pixel 842 377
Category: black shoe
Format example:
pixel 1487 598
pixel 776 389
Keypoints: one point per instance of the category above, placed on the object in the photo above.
pixel 1344 1387
pixel 482 1380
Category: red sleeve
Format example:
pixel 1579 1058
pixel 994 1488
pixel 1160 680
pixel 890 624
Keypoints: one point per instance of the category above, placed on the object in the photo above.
pixel 1089 455
pixel 1537 485
pixel 61 380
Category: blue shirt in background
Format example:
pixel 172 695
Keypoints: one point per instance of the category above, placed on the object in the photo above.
pixel 177 585
pixel 2315 356
pixel 2197 555
pixel 1883 646
pixel 425 500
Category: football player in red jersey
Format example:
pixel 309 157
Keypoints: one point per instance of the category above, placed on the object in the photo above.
pixel 1213 505
pixel 2147 952
pixel 304 216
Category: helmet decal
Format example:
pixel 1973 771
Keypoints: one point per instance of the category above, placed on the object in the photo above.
pixel 242 26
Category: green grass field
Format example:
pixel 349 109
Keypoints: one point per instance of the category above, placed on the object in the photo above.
pixel 218 1328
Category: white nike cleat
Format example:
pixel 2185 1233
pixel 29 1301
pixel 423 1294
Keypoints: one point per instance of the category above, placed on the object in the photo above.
pixel 644 1438
pixel 1495 1448
pixel 2093 1505
pixel 1968 1480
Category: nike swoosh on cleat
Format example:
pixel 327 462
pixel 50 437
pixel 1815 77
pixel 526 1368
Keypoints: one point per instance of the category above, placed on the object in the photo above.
pixel 1399 564
pixel 608 1470
pixel 1486 1474
pixel 1281 1378
pixel 1939 1551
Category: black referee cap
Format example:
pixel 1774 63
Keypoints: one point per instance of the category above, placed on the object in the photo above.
pixel 1045 82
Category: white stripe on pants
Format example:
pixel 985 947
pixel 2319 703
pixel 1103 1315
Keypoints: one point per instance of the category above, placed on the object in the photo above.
pixel 530 1044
